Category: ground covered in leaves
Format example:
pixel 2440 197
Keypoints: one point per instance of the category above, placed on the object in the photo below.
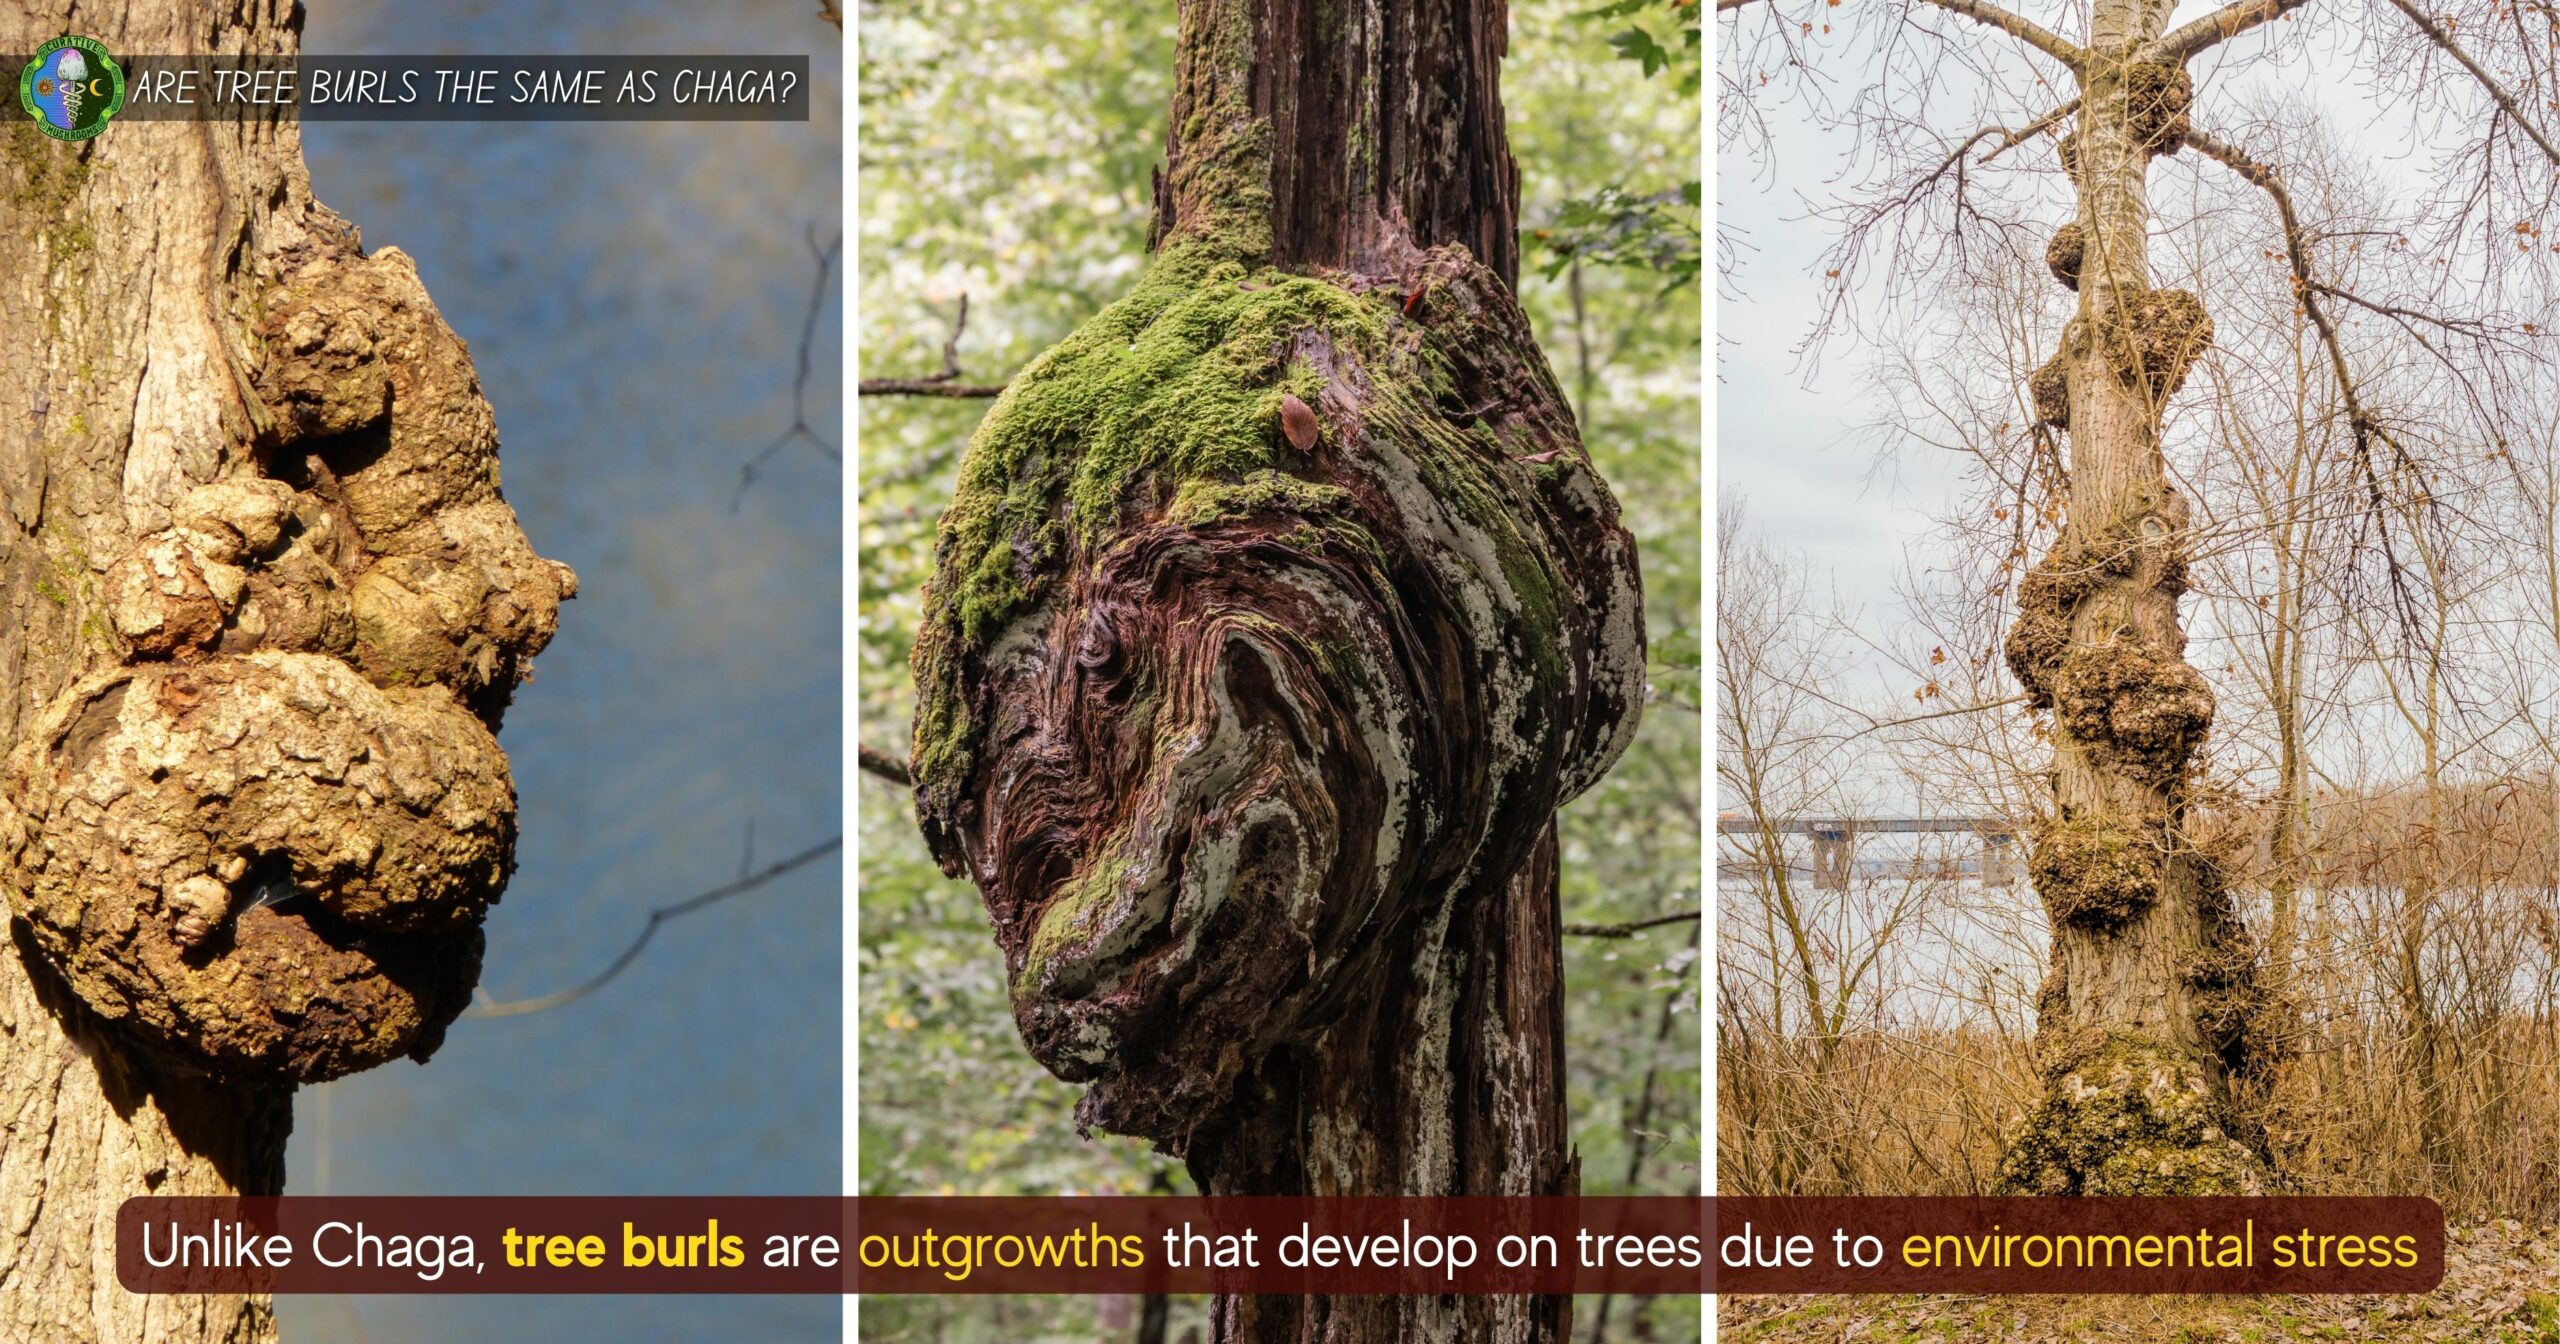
pixel 2501 1286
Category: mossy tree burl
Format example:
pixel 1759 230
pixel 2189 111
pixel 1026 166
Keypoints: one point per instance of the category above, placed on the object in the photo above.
pixel 264 608
pixel 2154 1034
pixel 1276 612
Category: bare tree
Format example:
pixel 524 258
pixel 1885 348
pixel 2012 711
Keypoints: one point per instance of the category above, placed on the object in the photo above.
pixel 265 606
pixel 2152 1008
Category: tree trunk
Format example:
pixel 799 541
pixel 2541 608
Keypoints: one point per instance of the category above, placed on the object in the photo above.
pixel 2151 1003
pixel 1277 611
pixel 251 552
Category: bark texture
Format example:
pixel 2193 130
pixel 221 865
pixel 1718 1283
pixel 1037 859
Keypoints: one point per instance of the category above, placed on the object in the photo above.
pixel 2149 1022
pixel 1277 611
pixel 263 608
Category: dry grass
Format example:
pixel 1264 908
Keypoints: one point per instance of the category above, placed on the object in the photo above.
pixel 2502 1286
pixel 1925 1113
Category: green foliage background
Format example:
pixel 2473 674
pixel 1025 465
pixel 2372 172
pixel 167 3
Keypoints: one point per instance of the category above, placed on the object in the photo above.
pixel 1005 154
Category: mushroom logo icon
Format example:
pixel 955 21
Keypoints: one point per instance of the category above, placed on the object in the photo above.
pixel 72 88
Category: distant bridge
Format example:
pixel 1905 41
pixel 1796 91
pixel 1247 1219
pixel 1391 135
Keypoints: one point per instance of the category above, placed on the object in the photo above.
pixel 1835 841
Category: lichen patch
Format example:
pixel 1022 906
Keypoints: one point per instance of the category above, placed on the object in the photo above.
pixel 2133 1115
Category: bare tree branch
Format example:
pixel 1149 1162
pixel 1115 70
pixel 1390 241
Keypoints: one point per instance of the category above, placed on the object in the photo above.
pixel 927 387
pixel 1629 929
pixel 2018 26
pixel 879 763
pixel 2363 426
pixel 484 1006
pixel 800 429
pixel 943 384
pixel 2222 25
pixel 2437 34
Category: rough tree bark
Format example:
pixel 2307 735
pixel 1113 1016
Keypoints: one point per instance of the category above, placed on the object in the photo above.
pixel 2147 1018
pixel 1277 611
pixel 263 607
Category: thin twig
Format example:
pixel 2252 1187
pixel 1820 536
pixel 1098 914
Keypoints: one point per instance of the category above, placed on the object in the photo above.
pixel 944 384
pixel 800 430
pixel 484 1006
pixel 2497 92
pixel 927 387
pixel 874 761
pixel 1630 929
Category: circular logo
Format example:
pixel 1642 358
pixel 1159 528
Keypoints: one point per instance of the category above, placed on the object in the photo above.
pixel 72 87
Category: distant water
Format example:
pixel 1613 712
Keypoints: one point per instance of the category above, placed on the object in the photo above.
pixel 632 296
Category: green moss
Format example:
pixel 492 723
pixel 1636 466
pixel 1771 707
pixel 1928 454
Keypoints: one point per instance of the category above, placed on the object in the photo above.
pixel 1169 397
pixel 1202 502
pixel 46 173
pixel 51 592
pixel 43 181
pixel 2542 1311
pixel 941 750
pixel 1179 382
pixel 1222 175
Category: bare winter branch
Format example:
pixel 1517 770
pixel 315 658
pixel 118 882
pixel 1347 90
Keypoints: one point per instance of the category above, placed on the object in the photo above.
pixel 800 430
pixel 484 1006
pixel 944 383
pixel 2443 38
pixel 1631 928
pixel 2219 26
pixel 2018 26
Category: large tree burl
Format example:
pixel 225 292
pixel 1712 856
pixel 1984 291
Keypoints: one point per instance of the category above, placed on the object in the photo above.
pixel 1214 721
pixel 300 668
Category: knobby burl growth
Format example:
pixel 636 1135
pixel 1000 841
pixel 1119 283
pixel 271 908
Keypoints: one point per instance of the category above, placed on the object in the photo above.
pixel 1217 722
pixel 1276 612
pixel 298 674
pixel 2149 1021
